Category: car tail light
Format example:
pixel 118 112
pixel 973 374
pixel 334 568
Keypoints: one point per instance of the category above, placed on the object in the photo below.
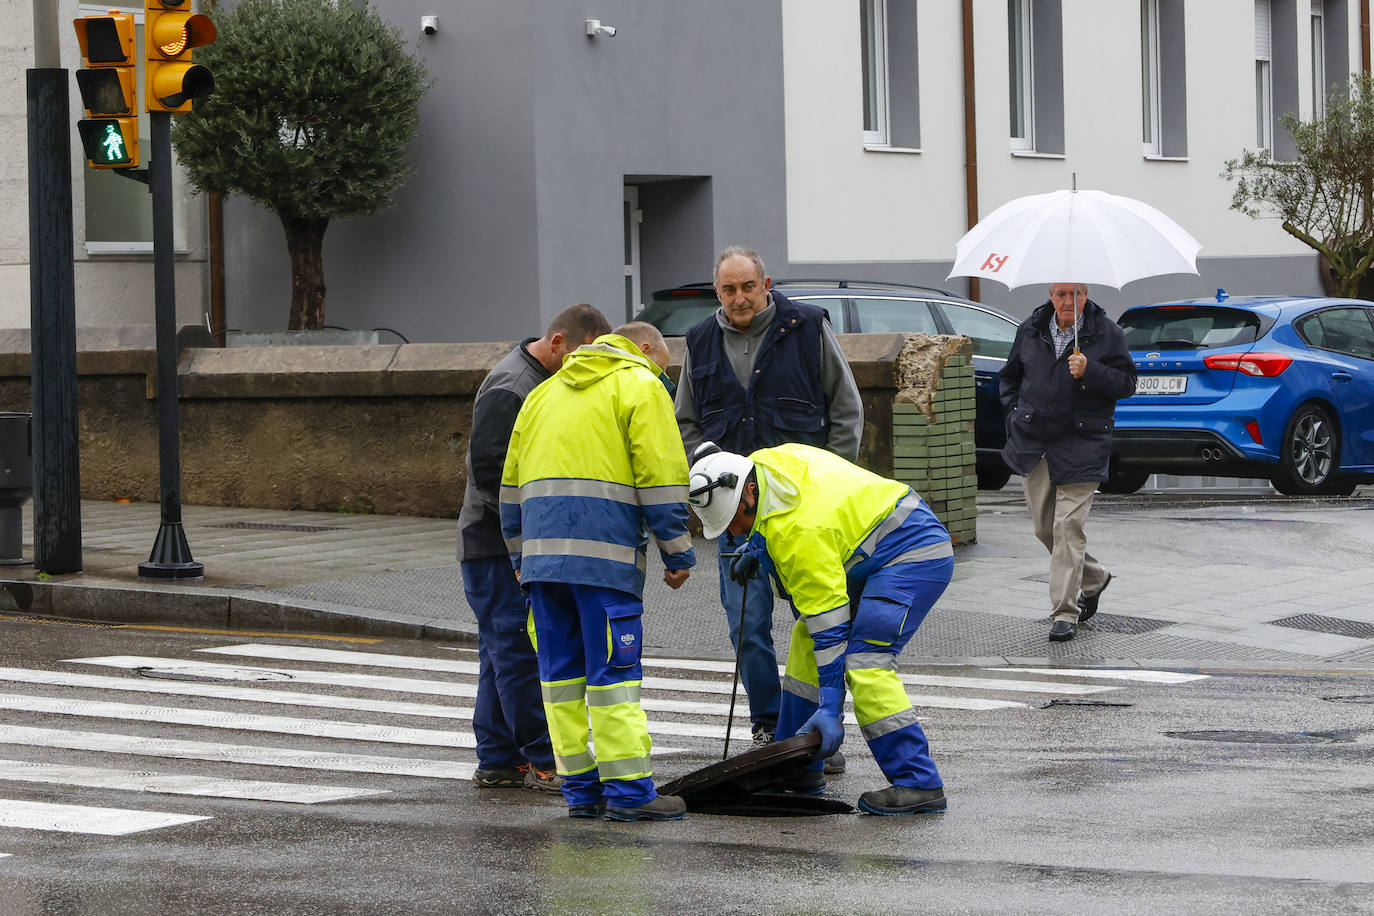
pixel 1253 429
pixel 1265 365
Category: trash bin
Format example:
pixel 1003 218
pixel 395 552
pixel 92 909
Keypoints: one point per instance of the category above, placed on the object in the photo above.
pixel 16 484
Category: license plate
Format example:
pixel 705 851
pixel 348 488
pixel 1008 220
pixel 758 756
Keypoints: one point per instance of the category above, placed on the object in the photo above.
pixel 1161 384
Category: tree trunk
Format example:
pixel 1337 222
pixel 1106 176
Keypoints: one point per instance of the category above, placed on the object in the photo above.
pixel 305 244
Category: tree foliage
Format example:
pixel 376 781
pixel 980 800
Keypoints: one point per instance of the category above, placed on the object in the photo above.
pixel 1325 194
pixel 314 106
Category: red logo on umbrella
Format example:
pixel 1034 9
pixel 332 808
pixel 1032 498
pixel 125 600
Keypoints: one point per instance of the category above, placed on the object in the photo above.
pixel 994 263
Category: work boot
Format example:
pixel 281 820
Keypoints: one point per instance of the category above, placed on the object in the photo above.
pixel 503 778
pixel 595 810
pixel 834 764
pixel 662 808
pixel 896 800
pixel 541 780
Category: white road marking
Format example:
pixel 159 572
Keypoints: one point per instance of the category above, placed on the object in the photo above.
pixel 176 784
pixel 28 815
pixel 1114 674
pixel 208 718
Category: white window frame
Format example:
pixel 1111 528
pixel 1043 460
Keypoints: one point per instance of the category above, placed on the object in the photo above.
pixel 1318 60
pixel 1022 104
pixel 873 60
pixel 1264 76
pixel 1150 69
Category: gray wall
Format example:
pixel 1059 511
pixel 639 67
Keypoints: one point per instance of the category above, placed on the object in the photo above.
pixel 526 141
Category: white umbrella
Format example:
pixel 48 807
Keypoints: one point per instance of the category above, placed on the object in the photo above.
pixel 1074 237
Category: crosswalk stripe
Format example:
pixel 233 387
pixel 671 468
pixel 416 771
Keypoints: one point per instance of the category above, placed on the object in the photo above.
pixel 234 753
pixel 28 815
pixel 456 666
pixel 176 784
pixel 208 718
pixel 1114 674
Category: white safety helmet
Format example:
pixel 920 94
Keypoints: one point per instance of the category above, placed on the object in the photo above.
pixel 716 485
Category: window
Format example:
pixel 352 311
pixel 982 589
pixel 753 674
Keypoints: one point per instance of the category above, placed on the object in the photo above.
pixel 1318 61
pixel 1149 76
pixel 1163 76
pixel 880 316
pixel 1264 77
pixel 1344 330
pixel 992 335
pixel 1035 76
pixel 891 96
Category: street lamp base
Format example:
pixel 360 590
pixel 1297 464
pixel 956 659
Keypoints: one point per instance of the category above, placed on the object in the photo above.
pixel 171 556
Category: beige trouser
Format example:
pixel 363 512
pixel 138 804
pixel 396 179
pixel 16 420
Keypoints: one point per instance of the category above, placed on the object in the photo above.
pixel 1058 514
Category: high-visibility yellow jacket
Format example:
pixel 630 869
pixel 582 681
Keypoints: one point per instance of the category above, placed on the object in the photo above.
pixel 595 458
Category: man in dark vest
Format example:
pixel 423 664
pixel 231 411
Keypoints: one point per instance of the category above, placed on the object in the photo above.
pixel 760 372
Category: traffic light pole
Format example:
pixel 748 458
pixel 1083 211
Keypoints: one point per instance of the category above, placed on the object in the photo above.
pixel 171 555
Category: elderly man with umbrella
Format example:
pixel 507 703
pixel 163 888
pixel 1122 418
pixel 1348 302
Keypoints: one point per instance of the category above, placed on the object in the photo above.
pixel 1068 367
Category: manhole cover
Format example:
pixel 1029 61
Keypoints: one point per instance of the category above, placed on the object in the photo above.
pixel 1359 698
pixel 192 673
pixel 276 526
pixel 733 786
pixel 1245 737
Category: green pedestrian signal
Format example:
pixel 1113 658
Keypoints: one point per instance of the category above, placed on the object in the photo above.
pixel 105 143
pixel 109 90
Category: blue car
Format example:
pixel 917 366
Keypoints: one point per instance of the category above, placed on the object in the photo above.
pixel 1275 387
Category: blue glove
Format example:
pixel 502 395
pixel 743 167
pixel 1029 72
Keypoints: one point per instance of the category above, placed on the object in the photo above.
pixel 826 720
pixel 745 565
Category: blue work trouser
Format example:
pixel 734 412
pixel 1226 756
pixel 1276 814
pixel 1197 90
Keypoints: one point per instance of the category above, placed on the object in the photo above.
pixel 508 716
pixel 758 662
pixel 589 642
pixel 887 607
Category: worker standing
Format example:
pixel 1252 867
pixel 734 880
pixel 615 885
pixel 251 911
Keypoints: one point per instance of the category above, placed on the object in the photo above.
pixel 594 461
pixel 863 559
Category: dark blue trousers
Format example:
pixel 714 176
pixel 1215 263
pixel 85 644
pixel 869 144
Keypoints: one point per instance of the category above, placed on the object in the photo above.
pixel 508 718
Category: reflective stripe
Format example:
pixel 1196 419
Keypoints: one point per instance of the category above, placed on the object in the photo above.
pixel 629 768
pixel 510 494
pixel 627 692
pixel 676 545
pixel 905 506
pixel 826 656
pixel 921 554
pixel 574 763
pixel 577 486
pixel 865 660
pixel 672 495
pixel 565 692
pixel 577 547
pixel 819 623
pixel 513 546
pixel 890 724
pixel 801 689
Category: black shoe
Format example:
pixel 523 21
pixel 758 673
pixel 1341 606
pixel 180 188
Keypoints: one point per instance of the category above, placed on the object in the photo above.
pixel 834 764
pixel 896 800
pixel 512 778
pixel 595 810
pixel 1087 604
pixel 1063 631
pixel 663 808
pixel 797 781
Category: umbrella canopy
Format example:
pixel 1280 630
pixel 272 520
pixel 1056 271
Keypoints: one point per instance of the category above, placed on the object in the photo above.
pixel 1074 237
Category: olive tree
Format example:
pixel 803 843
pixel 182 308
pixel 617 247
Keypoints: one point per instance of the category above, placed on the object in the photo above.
pixel 1325 194
pixel 314 106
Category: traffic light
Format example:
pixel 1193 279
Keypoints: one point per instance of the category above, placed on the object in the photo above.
pixel 109 90
pixel 170 31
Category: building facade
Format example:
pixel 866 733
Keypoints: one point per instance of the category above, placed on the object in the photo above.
pixel 840 138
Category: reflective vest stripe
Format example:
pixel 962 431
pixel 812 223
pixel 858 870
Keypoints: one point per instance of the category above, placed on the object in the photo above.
pixel 799 688
pixel 819 623
pixel 577 547
pixel 673 494
pixel 629 768
pixel 627 692
pixel 563 691
pixel 921 554
pixel 894 520
pixel 826 656
pixel 573 764
pixel 866 660
pixel 889 724
pixel 676 545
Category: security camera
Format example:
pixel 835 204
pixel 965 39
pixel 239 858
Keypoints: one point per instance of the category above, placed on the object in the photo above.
pixel 429 24
pixel 595 28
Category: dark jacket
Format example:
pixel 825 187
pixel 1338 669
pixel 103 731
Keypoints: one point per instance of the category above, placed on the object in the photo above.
pixel 1051 414
pixel 784 401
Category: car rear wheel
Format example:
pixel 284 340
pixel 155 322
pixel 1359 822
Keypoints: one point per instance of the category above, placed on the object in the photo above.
pixel 1123 480
pixel 1310 455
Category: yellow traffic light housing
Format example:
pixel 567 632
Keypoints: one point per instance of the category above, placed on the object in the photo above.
pixel 109 90
pixel 170 31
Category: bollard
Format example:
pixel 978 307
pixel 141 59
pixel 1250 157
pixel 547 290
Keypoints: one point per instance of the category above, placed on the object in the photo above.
pixel 16 484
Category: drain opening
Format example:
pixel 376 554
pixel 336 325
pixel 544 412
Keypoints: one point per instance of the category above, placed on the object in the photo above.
pixel 1255 737
pixel 215 676
pixel 1358 698
pixel 1104 703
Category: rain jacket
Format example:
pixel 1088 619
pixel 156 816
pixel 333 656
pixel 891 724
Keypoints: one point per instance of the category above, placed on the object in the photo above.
pixel 595 459
pixel 1054 416
pixel 823 520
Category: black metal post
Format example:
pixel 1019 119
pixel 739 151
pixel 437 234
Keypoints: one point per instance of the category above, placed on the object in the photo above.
pixel 52 302
pixel 171 556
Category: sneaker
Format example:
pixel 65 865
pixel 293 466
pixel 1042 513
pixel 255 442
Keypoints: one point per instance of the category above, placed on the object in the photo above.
pixel 587 811
pixel 763 737
pixel 1087 604
pixel 895 800
pixel 663 808
pixel 541 780
pixel 513 778
pixel 834 764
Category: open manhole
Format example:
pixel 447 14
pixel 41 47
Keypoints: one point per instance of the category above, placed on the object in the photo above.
pixel 738 786
pixel 211 675
pixel 1251 737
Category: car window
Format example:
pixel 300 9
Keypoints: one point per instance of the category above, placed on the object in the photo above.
pixel 1345 330
pixel 834 310
pixel 1188 327
pixel 892 315
pixel 674 315
pixel 992 334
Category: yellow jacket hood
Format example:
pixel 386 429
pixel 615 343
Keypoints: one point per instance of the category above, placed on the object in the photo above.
pixel 592 362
